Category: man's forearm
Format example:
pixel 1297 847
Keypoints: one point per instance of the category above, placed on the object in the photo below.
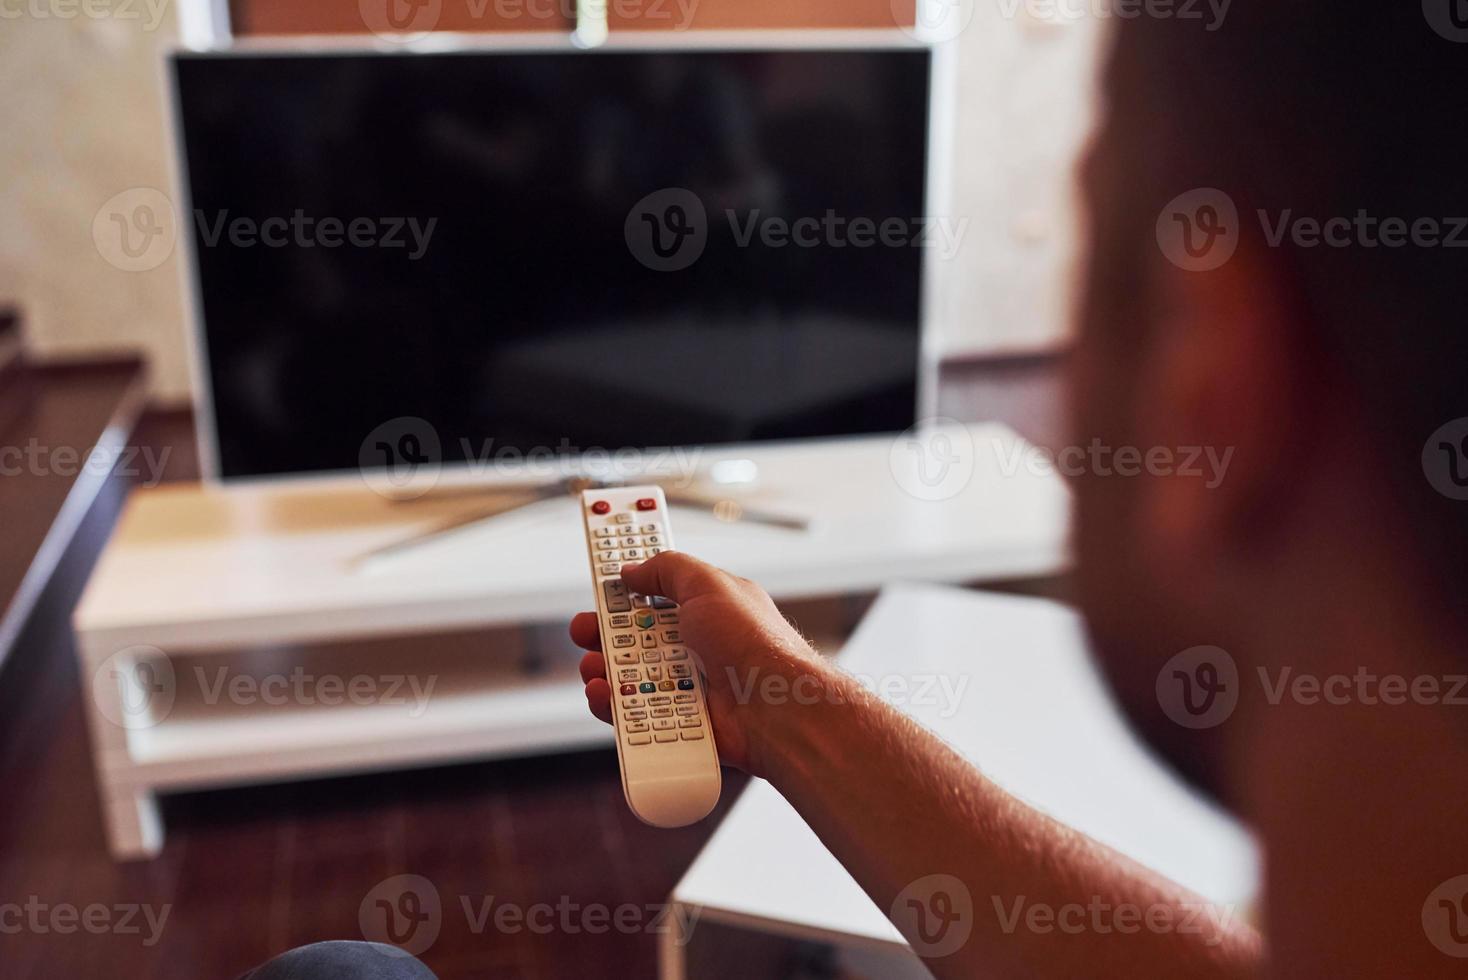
pixel 896 805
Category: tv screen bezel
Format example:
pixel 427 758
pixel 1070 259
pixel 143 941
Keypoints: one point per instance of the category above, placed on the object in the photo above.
pixel 935 196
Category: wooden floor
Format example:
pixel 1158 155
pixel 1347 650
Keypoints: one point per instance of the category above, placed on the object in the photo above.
pixel 248 873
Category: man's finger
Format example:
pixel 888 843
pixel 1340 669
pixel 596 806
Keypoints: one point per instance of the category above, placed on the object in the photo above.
pixel 593 665
pixel 673 574
pixel 584 631
pixel 599 699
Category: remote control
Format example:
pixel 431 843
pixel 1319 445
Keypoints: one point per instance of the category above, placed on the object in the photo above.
pixel 665 743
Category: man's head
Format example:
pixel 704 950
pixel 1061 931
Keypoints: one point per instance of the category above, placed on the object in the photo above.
pixel 1271 278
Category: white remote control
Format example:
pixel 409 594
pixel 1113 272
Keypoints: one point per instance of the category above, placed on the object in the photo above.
pixel 665 743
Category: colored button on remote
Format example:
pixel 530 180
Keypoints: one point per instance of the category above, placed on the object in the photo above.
pixel 684 685
pixel 647 503
pixel 601 507
pixel 628 689
pixel 647 687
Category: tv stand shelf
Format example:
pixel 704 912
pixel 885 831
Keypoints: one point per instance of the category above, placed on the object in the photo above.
pixel 201 575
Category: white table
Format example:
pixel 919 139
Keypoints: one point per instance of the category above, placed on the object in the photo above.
pixel 200 570
pixel 1034 716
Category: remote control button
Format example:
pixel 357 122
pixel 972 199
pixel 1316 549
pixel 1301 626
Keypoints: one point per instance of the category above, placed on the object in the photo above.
pixel 669 618
pixel 621 621
pixel 653 539
pixel 638 726
pixel 623 519
pixel 644 618
pixel 677 653
pixel 633 542
pixel 634 554
pixel 649 529
pixel 666 736
pixel 625 528
pixel 691 736
pixel 634 715
pixel 680 670
pixel 662 712
pixel 672 636
pixel 629 675
pixel 641 601
pixel 688 710
pixel 647 688
pixel 640 739
pixel 624 640
pixel 623 657
pixel 668 685
pixel 659 700
pixel 615 592
pixel 627 689
pixel 652 657
pixel 654 552
pixel 605 532
pixel 654 673
pixel 601 507
pixel 611 554
pixel 683 685
pixel 689 723
pixel 647 503
pixel 610 568
pixel 649 641
pixel 663 724
pixel 662 602
pixel 683 699
pixel 632 702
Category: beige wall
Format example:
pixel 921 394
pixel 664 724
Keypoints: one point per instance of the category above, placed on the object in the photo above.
pixel 83 120
pixel 1023 107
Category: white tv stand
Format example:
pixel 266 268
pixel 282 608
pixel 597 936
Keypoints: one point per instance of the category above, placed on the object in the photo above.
pixel 196 573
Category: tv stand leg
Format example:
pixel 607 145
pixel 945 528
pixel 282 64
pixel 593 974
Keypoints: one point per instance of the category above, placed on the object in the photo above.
pixel 134 824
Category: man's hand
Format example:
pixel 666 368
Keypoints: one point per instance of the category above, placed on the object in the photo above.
pixel 736 635
pixel 897 805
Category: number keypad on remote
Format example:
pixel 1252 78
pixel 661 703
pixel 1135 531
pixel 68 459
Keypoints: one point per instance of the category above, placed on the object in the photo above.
pixel 650 667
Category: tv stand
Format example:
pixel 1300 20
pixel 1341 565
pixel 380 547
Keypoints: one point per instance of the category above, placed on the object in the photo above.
pixel 203 577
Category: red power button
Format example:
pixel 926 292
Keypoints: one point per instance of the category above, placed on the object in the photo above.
pixel 600 507
pixel 647 503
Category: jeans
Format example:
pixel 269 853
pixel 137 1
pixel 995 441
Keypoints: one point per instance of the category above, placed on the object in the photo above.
pixel 342 961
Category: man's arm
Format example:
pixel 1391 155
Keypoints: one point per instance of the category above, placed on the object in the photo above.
pixel 898 807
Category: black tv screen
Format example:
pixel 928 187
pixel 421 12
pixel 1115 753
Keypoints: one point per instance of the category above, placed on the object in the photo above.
pixel 556 249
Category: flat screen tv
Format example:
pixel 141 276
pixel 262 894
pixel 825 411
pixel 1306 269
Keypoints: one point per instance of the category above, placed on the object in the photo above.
pixel 551 249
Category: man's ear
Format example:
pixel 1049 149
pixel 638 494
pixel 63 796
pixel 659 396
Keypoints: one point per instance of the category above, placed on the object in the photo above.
pixel 1223 391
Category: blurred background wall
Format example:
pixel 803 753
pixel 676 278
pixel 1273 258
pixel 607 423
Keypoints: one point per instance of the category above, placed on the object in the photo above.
pixel 90 125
